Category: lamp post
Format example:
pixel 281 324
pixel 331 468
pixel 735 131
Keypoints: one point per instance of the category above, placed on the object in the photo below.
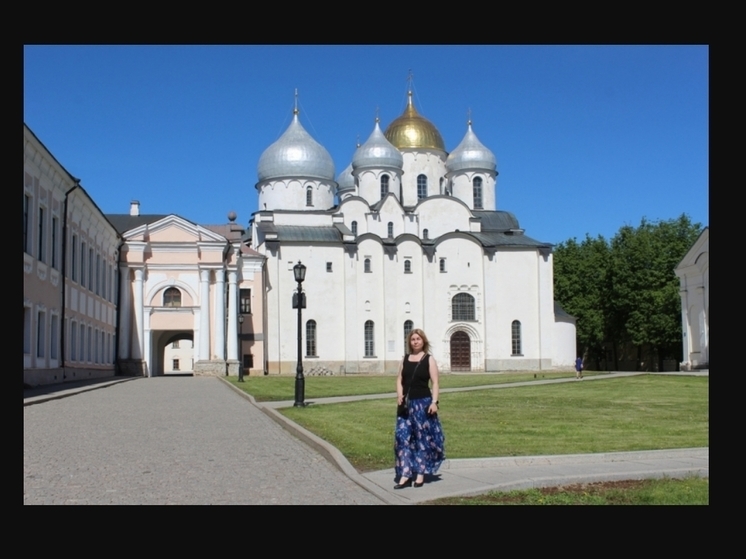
pixel 299 302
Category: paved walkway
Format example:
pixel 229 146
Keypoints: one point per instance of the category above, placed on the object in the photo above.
pixel 167 440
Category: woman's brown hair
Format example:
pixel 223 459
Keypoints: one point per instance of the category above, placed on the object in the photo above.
pixel 421 334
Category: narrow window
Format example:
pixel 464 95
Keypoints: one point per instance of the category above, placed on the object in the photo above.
pixel 40 331
pixel 309 196
pixel 354 228
pixel 462 307
pixel 73 341
pixel 477 184
pixel 81 355
pixel 390 229
pixel 74 259
pixel 516 335
pixel 90 269
pixel 176 365
pixel 245 295
pixel 172 297
pixel 328 266
pixel 421 187
pixel 407 266
pixel 55 233
pixel 425 234
pixel 90 344
pixel 82 264
pixel 408 325
pixel 40 253
pixel 248 361
pixel 175 345
pixel 98 274
pixel 311 338
pixel 384 185
pixel 369 347
pixel 443 265
pixel 367 265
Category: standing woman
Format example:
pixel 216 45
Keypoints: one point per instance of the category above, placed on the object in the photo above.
pixel 419 440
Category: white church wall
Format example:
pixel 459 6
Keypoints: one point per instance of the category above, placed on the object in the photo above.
pixel 428 163
pixel 442 215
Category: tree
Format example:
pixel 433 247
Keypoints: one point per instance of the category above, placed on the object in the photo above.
pixel 625 292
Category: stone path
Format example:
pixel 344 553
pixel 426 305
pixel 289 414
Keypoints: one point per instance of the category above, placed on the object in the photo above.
pixel 171 441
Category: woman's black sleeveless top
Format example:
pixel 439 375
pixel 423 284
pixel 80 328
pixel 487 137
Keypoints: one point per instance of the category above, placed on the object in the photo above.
pixel 415 379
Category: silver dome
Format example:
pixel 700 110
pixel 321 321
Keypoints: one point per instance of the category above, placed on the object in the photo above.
pixel 471 154
pixel 345 180
pixel 377 151
pixel 296 154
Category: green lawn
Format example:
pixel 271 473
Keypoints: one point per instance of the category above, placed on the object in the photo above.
pixel 274 388
pixel 634 413
pixel 690 491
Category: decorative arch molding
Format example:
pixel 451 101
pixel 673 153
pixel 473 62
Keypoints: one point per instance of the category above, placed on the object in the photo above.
pixel 171 282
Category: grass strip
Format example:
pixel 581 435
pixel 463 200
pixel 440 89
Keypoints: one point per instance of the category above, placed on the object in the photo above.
pixel 622 414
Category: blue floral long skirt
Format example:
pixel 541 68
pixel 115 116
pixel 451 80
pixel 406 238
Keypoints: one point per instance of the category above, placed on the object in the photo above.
pixel 419 442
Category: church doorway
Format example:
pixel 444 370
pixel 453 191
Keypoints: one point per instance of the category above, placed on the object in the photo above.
pixel 174 353
pixel 460 352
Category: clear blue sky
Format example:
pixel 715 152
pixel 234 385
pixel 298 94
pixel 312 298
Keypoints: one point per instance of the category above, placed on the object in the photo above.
pixel 587 138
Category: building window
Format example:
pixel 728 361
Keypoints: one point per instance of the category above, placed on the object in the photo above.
pixel 408 325
pixel 26 223
pixel 369 346
pixel 443 265
pixel 425 234
pixel 366 265
pixel 74 259
pixel 421 187
pixel 172 297
pixel 175 345
pixel 309 196
pixel 515 330
pixel 354 228
pixel 82 343
pixel 26 330
pixel 245 295
pixel 328 266
pixel 248 361
pixel 462 307
pixel 176 365
pixel 82 264
pixel 53 336
pixel 407 266
pixel 477 184
pixel 390 229
pixel 73 341
pixel 384 185
pixel 90 269
pixel 40 253
pixel 90 344
pixel 55 234
pixel 311 338
pixel 41 319
pixel 98 274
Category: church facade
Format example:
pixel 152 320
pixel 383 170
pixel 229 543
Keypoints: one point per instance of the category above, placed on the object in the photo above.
pixel 407 236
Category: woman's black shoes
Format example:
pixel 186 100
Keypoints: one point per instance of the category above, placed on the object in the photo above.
pixel 420 484
pixel 407 483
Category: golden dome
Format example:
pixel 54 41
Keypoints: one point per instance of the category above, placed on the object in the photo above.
pixel 412 131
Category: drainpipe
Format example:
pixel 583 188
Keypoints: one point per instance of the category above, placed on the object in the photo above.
pixel 63 353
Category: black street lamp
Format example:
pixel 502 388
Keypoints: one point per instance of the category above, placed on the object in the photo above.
pixel 299 302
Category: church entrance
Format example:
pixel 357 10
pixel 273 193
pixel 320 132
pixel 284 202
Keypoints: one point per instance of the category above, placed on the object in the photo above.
pixel 460 352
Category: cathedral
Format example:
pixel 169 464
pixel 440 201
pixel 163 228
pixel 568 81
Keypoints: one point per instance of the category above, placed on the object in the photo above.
pixel 406 236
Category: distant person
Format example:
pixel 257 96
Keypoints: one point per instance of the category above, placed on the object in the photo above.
pixel 579 368
pixel 419 442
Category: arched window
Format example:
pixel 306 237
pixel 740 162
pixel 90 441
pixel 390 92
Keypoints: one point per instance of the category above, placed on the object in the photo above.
pixel 421 187
pixel 516 335
pixel 407 266
pixel 390 229
pixel 172 297
pixel 384 185
pixel 477 183
pixel 425 234
pixel 462 307
pixel 311 338
pixel 367 265
pixel 354 228
pixel 408 325
pixel 369 346
pixel 442 265
pixel 309 196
